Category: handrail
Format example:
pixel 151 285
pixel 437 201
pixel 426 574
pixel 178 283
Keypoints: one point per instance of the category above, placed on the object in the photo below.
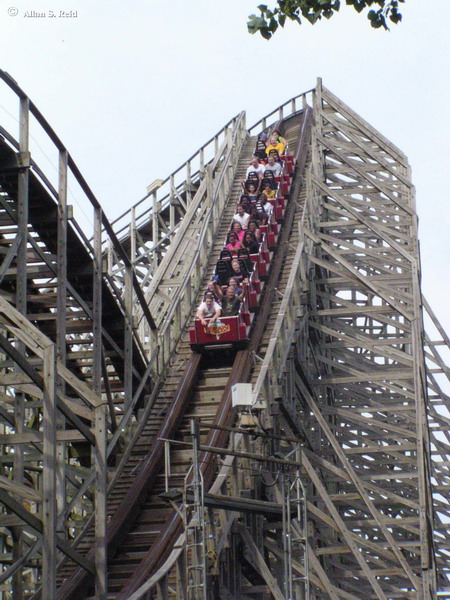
pixel 201 239
pixel 291 104
pixel 287 109
pixel 49 131
pixel 201 220
pixel 121 223
pixel 172 190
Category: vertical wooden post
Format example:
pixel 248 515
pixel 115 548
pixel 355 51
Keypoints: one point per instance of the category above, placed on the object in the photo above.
pixel 188 183
pixel 110 257
pixel 49 475
pixel 155 228
pixel 181 577
pixel 133 254
pixel 128 341
pixel 21 305
pixel 172 205
pixel 202 162
pixel 61 305
pixel 304 102
pixel 231 147
pixel 97 303
pixel 22 208
pixel 99 453
pixel 317 130
pixel 427 554
pixel 209 197
pixel 61 301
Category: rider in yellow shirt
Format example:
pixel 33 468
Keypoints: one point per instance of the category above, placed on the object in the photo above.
pixel 275 145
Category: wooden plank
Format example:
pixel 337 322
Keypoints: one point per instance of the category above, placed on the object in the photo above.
pixel 364 147
pixel 366 281
pixel 101 426
pixel 343 529
pixel 19 489
pixel 355 480
pixel 38 437
pixel 321 573
pixel 363 126
pixel 49 476
pixel 260 563
pixel 355 167
pixel 79 386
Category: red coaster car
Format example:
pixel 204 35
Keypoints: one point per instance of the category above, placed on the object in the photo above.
pixel 230 330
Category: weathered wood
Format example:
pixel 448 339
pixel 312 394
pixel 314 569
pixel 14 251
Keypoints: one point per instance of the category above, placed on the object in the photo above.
pixel 347 307
pixel 49 474
pixel 100 417
pixel 260 563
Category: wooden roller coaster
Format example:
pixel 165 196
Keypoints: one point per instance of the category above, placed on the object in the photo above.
pixel 131 469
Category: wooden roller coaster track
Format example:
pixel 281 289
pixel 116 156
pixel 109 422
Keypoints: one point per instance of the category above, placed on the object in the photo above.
pixel 99 384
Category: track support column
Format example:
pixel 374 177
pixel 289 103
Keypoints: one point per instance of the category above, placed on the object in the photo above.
pixel 100 420
pixel 49 475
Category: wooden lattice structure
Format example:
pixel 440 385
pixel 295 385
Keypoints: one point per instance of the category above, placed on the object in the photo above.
pixel 346 358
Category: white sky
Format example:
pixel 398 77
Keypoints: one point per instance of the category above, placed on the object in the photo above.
pixel 134 89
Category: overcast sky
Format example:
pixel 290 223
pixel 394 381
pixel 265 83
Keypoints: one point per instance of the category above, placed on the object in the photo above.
pixel 134 89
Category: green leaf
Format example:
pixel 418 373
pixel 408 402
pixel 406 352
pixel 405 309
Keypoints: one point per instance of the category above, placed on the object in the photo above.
pixel 383 12
pixel 273 25
pixel 312 17
pixel 256 24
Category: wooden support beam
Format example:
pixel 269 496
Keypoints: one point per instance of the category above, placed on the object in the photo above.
pixel 358 485
pixel 49 475
pixel 260 563
pixel 101 428
pixel 344 530
pixel 36 524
